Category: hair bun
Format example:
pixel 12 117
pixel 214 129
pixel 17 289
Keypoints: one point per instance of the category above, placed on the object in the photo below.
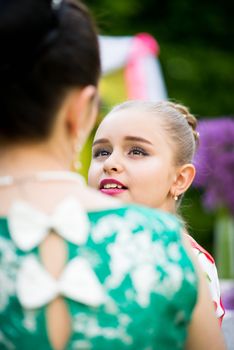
pixel 190 118
pixel 23 24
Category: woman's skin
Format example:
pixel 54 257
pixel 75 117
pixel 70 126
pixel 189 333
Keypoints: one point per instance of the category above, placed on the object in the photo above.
pixel 132 159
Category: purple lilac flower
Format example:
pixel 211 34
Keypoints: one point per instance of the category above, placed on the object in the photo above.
pixel 214 162
pixel 228 299
pixel 227 292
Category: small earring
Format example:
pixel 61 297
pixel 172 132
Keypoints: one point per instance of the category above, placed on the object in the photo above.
pixel 176 198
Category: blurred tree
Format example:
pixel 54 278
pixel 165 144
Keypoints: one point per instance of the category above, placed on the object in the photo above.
pixel 200 77
pixel 181 21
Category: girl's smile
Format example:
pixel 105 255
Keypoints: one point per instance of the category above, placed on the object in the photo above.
pixel 111 187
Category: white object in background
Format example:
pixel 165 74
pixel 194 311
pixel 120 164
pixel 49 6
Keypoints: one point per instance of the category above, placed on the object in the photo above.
pixel 138 56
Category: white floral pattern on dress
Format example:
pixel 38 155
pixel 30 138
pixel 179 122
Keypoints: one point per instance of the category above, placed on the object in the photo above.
pixel 138 255
pixel 6 342
pixel 106 227
pixel 89 327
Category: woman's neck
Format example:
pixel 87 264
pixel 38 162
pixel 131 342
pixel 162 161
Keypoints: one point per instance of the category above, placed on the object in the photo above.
pixel 26 159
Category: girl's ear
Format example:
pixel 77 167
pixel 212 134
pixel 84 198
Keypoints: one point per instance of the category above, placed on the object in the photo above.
pixel 184 178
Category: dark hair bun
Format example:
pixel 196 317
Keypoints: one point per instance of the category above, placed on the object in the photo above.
pixel 23 24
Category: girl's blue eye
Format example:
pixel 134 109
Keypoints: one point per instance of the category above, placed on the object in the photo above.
pixel 100 153
pixel 138 151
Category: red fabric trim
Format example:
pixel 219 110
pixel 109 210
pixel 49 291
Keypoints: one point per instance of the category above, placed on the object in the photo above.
pixel 194 244
pixel 221 317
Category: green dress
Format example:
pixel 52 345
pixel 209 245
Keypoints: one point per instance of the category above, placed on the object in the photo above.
pixel 141 292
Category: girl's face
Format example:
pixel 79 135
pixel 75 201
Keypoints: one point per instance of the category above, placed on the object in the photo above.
pixel 132 160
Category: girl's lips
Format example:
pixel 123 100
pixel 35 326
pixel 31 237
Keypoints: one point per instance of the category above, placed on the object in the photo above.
pixel 112 191
pixel 110 181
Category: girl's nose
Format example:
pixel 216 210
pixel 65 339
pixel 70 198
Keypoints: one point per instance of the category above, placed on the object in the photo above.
pixel 112 165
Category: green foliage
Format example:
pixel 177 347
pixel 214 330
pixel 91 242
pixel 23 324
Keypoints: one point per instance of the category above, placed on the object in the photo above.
pixel 200 77
pixel 199 222
pixel 178 21
pixel 111 16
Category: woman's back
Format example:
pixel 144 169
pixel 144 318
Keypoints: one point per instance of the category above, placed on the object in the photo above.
pixel 105 277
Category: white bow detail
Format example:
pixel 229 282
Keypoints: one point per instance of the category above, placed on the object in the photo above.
pixel 36 287
pixel 28 226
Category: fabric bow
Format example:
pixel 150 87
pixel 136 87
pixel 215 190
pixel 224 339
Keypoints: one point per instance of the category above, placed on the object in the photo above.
pixel 29 227
pixel 36 287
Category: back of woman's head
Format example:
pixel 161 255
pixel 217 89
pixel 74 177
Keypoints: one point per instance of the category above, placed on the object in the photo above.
pixel 47 48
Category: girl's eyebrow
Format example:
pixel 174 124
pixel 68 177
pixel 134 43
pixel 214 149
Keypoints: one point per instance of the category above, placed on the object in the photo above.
pixel 137 138
pixel 100 141
pixel 126 138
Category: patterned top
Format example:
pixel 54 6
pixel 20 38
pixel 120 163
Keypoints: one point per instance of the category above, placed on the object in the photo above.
pixel 208 265
pixel 128 282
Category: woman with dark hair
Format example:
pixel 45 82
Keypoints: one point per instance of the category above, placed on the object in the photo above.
pixel 72 261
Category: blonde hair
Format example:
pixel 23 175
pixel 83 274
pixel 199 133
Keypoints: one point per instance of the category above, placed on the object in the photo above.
pixel 177 121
